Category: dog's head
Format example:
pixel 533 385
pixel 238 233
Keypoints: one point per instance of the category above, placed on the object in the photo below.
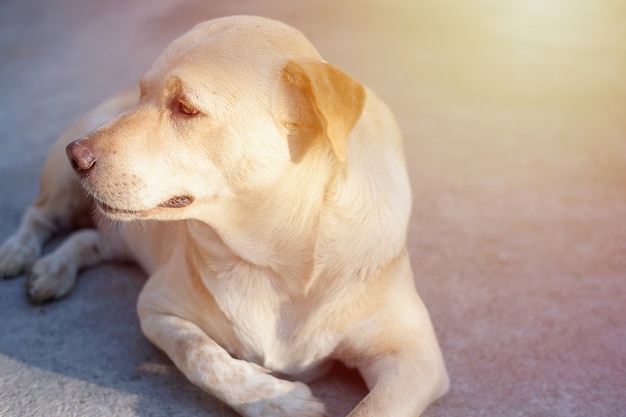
pixel 229 107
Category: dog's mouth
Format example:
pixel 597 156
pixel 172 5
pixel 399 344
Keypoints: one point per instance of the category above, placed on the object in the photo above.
pixel 176 202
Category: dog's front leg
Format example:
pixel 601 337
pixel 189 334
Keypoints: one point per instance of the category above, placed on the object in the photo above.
pixel 250 389
pixel 401 385
pixel 398 355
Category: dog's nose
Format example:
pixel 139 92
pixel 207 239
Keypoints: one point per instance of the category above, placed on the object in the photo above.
pixel 81 156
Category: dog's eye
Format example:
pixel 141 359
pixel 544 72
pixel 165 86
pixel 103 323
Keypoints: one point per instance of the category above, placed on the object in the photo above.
pixel 184 108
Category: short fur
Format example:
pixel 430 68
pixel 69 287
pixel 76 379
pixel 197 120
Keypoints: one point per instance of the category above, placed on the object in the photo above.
pixel 265 193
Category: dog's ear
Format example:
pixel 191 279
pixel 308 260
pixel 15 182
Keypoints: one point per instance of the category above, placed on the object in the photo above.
pixel 319 102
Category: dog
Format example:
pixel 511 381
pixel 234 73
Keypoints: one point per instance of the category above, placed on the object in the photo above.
pixel 265 193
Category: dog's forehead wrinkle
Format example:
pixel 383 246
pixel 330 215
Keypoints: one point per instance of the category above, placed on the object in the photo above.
pixel 198 90
pixel 198 93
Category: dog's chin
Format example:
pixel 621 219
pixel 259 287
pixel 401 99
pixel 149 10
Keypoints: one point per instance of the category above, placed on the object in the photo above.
pixel 165 210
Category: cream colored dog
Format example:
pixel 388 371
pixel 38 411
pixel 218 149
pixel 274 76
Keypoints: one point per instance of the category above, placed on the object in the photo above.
pixel 265 193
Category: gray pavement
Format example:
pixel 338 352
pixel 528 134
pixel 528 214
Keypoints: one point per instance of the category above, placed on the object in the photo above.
pixel 516 145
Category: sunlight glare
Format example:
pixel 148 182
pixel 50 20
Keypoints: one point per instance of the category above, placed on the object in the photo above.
pixel 560 50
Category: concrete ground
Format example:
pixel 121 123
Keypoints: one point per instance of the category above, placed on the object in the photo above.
pixel 514 114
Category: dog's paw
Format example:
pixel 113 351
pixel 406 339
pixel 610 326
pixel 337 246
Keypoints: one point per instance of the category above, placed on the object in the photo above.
pixel 297 401
pixel 50 278
pixel 16 256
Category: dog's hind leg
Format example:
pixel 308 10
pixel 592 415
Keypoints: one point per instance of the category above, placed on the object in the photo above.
pixel 61 202
pixel 53 276
pixel 62 205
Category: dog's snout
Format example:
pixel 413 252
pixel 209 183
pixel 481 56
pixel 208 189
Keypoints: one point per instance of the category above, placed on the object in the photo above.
pixel 81 156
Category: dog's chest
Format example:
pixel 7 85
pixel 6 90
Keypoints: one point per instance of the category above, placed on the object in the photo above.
pixel 251 312
pixel 261 324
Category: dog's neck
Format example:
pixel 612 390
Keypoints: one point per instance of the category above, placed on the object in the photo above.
pixel 276 228
pixel 294 227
